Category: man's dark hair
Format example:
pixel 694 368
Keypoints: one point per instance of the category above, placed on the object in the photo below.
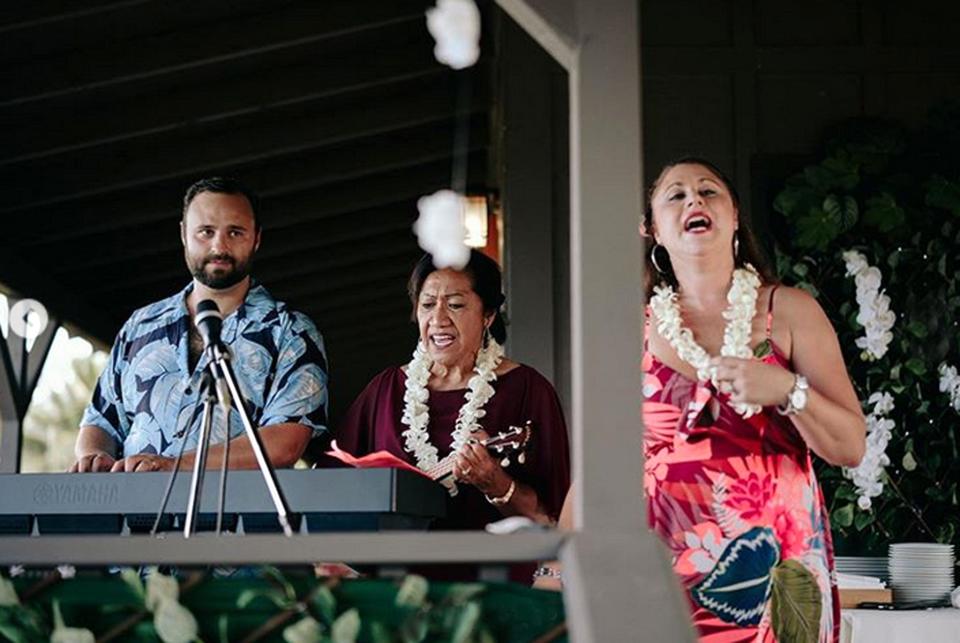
pixel 223 185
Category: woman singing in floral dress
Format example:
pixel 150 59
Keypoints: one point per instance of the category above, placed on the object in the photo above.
pixel 743 379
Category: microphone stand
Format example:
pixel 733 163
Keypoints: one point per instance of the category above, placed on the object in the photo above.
pixel 221 360
pixel 203 445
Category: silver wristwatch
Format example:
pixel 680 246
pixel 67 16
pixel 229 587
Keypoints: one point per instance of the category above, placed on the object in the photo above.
pixel 796 398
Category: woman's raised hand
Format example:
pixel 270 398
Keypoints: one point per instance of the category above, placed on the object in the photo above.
pixel 751 381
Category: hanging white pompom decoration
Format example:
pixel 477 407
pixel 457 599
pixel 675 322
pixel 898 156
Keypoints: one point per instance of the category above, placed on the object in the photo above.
pixel 440 230
pixel 455 25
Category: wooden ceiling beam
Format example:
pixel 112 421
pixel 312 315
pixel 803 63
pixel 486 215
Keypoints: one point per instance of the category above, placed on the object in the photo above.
pixel 276 178
pixel 398 190
pixel 210 151
pixel 39 134
pixel 206 44
pixel 49 28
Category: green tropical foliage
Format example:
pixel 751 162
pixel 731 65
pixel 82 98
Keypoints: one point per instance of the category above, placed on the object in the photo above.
pixel 892 194
pixel 286 606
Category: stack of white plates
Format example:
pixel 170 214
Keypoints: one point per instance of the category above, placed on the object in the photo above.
pixel 921 571
pixel 874 566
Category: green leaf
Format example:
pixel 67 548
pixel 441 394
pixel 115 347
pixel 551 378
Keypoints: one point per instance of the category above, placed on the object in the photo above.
pixel 832 173
pixel 909 462
pixel 346 628
pixel 916 366
pixel 801 269
pixel 843 516
pixel 223 628
pixel 459 593
pixel 863 519
pixel 12 633
pixel 132 578
pixel 57 616
pixel 325 604
pixel 795 603
pixel 379 633
pixel 945 533
pixel 917 329
pixel 817 229
pixel 8 595
pixel 943 193
pixel 851 212
pixel 883 213
pixel 415 628
pixel 845 213
pixel 275 596
pixel 306 630
pixel 794 200
pixel 467 619
pixel 894 259
pixel 274 574
pixel 413 591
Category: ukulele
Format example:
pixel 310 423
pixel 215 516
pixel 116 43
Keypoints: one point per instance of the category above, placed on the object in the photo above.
pixel 503 445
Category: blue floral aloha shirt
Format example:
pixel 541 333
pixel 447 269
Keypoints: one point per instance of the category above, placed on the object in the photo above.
pixel 147 398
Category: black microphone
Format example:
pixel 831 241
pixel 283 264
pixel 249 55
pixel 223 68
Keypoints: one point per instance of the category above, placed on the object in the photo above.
pixel 208 321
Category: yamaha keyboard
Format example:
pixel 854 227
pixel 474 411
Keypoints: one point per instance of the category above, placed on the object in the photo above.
pixel 319 500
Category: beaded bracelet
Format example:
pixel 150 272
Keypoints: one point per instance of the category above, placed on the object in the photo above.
pixel 505 498
pixel 547 572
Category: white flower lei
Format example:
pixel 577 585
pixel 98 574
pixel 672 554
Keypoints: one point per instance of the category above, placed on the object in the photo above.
pixel 742 298
pixel 950 384
pixel 874 315
pixel 866 475
pixel 416 412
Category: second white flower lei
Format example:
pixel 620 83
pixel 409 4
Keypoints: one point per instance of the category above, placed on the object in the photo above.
pixel 874 315
pixel 950 384
pixel 416 411
pixel 868 474
pixel 742 298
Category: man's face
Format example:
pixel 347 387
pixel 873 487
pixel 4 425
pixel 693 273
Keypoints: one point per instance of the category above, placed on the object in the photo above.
pixel 219 239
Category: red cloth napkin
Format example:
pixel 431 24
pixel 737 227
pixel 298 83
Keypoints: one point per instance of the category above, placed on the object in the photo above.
pixel 381 459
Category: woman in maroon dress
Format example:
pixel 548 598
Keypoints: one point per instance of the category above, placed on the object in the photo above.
pixel 458 390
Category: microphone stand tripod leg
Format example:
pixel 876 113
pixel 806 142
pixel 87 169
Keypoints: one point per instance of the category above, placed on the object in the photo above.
pixel 222 491
pixel 200 461
pixel 256 444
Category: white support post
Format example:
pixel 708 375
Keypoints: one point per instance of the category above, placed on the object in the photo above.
pixel 617 583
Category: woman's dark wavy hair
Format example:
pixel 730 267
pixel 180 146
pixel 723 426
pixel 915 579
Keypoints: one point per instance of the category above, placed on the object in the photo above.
pixel 750 250
pixel 487 282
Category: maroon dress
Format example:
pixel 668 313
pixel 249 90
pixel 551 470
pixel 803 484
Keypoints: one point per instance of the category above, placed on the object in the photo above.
pixel 372 423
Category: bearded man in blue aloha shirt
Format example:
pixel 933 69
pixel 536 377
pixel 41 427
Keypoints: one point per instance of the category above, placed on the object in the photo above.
pixel 146 400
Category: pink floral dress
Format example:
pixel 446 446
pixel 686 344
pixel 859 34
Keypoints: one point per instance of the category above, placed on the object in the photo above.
pixel 737 503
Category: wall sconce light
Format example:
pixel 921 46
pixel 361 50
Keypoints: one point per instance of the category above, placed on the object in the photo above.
pixel 475 220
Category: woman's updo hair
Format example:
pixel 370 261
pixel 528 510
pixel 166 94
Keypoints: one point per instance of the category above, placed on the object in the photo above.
pixel 487 282
pixel 750 250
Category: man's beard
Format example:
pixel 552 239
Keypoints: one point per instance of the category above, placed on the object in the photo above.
pixel 220 279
